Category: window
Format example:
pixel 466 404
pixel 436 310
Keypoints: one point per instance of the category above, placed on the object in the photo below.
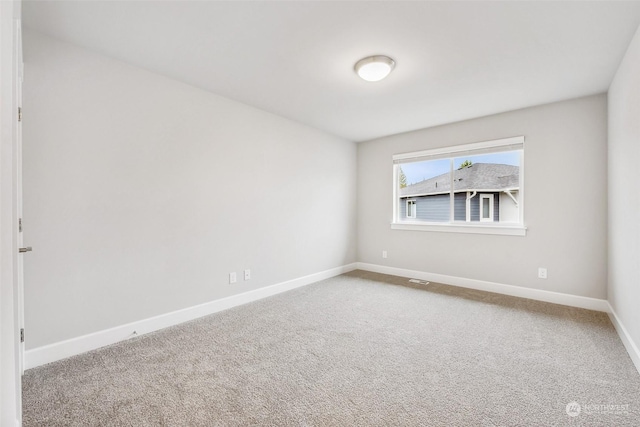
pixel 411 209
pixel 486 210
pixel 474 188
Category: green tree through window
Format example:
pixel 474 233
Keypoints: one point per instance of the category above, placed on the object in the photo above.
pixel 465 164
pixel 403 179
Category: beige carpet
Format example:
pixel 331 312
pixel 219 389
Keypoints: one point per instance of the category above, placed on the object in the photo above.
pixel 353 350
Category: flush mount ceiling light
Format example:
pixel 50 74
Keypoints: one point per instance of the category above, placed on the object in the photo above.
pixel 374 68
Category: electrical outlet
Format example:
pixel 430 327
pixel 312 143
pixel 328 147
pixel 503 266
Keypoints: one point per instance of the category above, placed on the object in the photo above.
pixel 232 277
pixel 247 274
pixel 542 273
pixel 384 254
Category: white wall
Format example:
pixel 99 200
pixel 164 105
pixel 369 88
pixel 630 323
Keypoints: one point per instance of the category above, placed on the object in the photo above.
pixel 141 194
pixel 624 191
pixel 565 202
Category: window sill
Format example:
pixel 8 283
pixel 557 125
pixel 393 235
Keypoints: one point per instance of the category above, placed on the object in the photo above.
pixel 504 230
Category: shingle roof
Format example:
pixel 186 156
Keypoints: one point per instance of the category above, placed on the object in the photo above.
pixel 479 176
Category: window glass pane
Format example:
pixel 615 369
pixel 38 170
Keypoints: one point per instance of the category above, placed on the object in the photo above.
pixel 494 173
pixel 411 209
pixel 428 184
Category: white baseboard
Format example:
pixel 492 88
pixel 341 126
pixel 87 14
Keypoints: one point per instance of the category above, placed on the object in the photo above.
pixel 61 350
pixel 499 288
pixel 626 339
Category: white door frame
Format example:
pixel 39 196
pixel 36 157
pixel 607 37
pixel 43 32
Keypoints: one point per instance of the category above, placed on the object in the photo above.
pixel 10 378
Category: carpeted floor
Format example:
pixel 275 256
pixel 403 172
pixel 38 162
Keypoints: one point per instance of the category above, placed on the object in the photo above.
pixel 354 350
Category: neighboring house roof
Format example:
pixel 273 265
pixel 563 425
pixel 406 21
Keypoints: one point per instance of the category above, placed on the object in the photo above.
pixel 479 176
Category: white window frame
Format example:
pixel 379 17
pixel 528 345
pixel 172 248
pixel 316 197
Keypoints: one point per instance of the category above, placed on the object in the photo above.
pixel 490 198
pixel 482 227
pixel 411 201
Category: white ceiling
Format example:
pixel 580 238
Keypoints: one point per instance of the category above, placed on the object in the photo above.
pixel 455 60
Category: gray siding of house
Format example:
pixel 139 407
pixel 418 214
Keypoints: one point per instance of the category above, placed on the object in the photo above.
pixel 436 208
pixel 428 208
pixel 460 207
pixel 403 209
pixel 475 208
pixel 433 208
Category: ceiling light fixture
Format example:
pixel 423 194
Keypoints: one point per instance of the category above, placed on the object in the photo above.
pixel 374 68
